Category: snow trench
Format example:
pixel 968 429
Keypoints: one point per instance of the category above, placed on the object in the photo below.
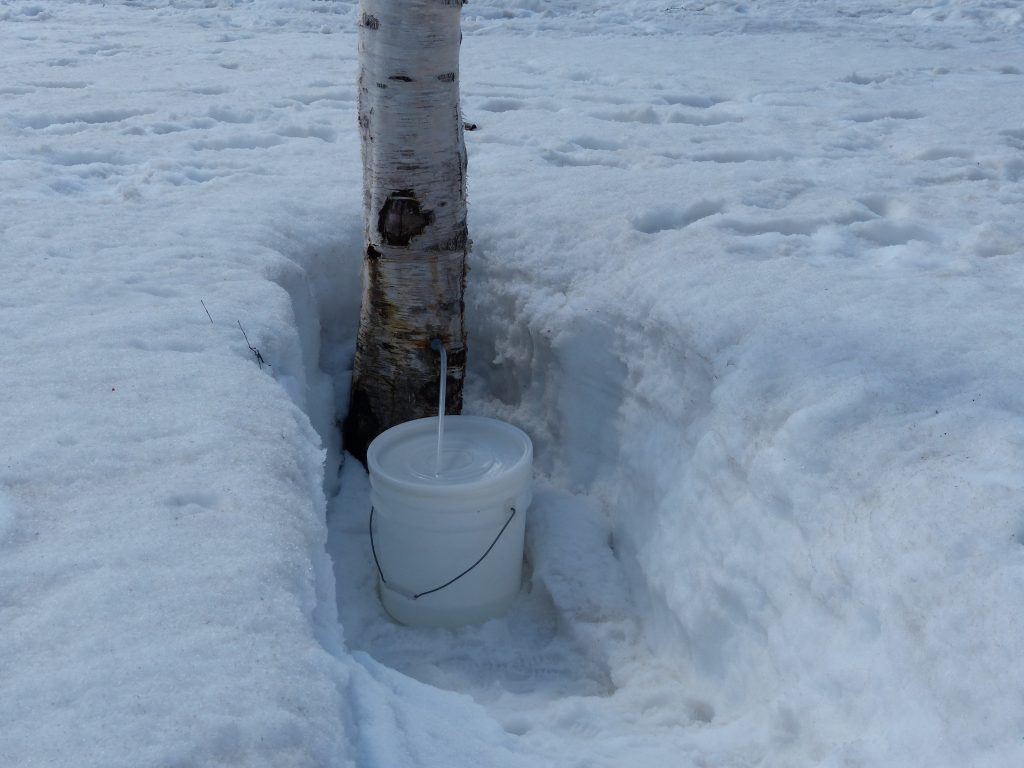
pixel 570 658
pixel 687 588
pixel 592 647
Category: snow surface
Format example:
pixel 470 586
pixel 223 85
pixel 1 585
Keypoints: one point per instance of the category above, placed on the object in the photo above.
pixel 747 272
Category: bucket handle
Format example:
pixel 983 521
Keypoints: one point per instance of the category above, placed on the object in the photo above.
pixel 417 596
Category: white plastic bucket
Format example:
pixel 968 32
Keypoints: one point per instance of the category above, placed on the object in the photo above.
pixel 449 546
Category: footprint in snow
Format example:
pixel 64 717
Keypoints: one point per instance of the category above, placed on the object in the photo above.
pixel 106 50
pixel 883 206
pixel 1014 137
pixel 960 164
pixel 73 157
pixel 743 156
pixel 673 218
pixel 161 129
pixel 643 116
pixel 586 151
pixel 945 153
pixel 241 141
pixel 516 725
pixel 97 117
pixel 693 101
pixel 854 140
pixel 891 224
pixel 782 226
pixel 855 78
pixel 200 499
pixel 1013 170
pixel 885 232
pixel 62 84
pixel 322 132
pixel 789 226
pixel 191 175
pixel 343 96
pixel 224 114
pixel 965 172
pixel 892 114
pixel 703 118
pixel 568 160
pixel 502 105
pixel 776 193
pixel 592 142
pixel 210 90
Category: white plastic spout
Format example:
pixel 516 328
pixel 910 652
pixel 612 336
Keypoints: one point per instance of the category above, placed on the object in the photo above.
pixel 439 347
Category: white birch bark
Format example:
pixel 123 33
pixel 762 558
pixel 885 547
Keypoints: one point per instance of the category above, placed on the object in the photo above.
pixel 414 209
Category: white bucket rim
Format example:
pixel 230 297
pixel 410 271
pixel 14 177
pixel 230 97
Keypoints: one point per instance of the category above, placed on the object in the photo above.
pixel 382 480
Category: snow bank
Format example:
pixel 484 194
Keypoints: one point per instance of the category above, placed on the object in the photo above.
pixel 776 353
pixel 166 598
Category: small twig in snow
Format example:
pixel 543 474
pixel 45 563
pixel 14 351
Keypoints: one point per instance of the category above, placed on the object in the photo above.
pixel 207 311
pixel 256 352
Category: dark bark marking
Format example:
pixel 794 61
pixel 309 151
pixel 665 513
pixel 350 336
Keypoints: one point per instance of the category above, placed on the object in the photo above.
pixel 361 425
pixel 402 218
pixel 377 301
pixel 401 78
pixel 370 22
pixel 447 77
pixel 458 241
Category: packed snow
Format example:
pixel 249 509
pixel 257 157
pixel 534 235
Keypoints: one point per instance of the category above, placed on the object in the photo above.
pixel 748 273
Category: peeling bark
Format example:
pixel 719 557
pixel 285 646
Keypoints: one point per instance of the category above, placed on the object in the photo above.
pixel 414 213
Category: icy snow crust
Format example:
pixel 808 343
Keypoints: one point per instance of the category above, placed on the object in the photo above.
pixel 749 274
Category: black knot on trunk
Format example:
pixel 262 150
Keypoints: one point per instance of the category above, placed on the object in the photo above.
pixel 402 218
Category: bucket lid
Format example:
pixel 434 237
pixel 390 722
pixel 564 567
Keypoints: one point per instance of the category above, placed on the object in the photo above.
pixel 480 456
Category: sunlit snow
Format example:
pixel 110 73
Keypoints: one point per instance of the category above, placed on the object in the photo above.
pixel 748 273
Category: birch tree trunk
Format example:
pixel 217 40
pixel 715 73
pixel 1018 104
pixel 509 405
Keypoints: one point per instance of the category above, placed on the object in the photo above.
pixel 414 214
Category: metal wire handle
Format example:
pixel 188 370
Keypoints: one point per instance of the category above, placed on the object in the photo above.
pixel 376 560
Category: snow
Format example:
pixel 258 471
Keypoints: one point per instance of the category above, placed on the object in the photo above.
pixel 747 273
